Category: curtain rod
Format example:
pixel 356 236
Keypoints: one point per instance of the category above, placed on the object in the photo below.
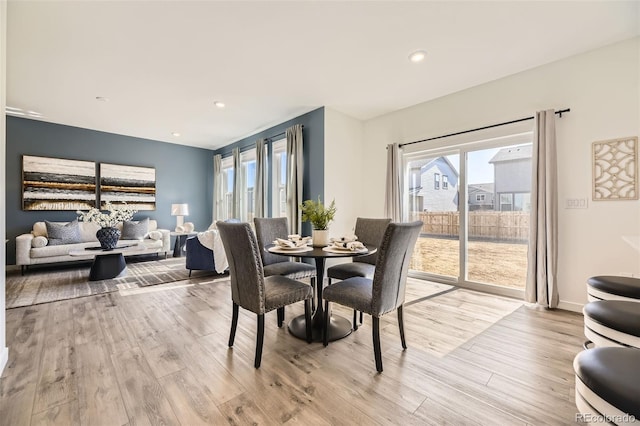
pixel 562 111
pixel 277 135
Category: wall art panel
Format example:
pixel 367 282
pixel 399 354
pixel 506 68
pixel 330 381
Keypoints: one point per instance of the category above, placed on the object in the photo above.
pixel 57 184
pixel 131 184
pixel 615 169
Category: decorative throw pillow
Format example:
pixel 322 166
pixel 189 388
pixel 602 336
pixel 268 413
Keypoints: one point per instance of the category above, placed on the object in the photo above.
pixel 39 241
pixel 155 235
pixel 63 233
pixel 135 230
pixel 39 229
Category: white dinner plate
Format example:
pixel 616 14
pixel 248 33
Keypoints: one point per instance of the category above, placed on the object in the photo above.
pixel 344 250
pixel 290 249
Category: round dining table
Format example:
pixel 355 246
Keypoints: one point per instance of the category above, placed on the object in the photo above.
pixel 339 327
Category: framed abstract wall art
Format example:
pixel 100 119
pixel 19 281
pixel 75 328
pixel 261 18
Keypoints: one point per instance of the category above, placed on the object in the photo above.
pixel 131 184
pixel 615 169
pixel 57 184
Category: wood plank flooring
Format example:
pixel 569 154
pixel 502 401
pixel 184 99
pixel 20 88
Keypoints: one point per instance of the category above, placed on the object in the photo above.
pixel 160 356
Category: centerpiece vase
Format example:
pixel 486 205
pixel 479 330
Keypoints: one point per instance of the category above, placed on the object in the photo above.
pixel 320 237
pixel 108 237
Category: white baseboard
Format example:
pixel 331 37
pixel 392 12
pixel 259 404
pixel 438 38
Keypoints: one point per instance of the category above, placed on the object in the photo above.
pixel 4 357
pixel 571 306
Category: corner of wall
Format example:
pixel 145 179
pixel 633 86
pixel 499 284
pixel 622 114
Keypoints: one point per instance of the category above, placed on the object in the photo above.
pixel 4 351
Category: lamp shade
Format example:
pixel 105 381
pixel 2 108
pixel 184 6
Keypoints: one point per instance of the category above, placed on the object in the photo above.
pixel 179 210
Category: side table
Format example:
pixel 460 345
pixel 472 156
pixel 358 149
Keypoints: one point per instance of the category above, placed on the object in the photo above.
pixel 181 240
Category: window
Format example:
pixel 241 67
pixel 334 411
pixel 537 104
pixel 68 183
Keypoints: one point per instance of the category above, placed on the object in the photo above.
pixel 482 241
pixel 247 183
pixel 506 202
pixel 279 179
pixel 227 187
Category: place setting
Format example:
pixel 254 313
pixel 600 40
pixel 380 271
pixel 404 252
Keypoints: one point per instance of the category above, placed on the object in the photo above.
pixel 292 244
pixel 346 244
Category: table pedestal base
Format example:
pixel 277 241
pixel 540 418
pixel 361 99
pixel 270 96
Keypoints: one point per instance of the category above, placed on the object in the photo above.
pixel 107 266
pixel 339 327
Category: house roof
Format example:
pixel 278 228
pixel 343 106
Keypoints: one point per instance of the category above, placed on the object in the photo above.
pixel 512 153
pixel 481 187
pixel 431 163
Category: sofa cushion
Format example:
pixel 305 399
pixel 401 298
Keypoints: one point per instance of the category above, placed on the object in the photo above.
pixel 135 230
pixel 88 231
pixel 59 234
pixel 59 250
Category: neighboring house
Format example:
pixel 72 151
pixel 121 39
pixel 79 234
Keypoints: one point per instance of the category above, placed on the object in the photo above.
pixel 512 178
pixel 438 189
pixel 481 196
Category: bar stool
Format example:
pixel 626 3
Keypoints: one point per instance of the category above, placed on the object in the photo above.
pixel 609 287
pixel 608 385
pixel 612 323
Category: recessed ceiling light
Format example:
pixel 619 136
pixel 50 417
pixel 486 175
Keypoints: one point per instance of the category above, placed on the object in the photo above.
pixel 102 99
pixel 417 56
pixel 176 134
pixel 219 104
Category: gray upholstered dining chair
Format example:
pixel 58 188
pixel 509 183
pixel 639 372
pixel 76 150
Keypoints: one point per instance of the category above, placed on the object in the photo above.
pixel 369 232
pixel 267 230
pixel 251 290
pixel 385 292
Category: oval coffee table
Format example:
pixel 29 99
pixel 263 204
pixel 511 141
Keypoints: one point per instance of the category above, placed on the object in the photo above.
pixel 109 264
pixel 339 327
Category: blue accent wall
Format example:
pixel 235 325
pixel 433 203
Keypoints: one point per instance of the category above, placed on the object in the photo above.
pixel 313 147
pixel 183 174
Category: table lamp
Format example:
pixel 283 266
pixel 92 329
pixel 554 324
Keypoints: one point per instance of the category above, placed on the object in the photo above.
pixel 179 211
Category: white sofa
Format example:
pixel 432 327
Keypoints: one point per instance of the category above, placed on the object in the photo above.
pixel 30 252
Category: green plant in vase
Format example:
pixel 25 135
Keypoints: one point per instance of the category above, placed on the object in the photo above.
pixel 320 217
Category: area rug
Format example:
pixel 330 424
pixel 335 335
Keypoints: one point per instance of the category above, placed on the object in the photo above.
pixel 43 285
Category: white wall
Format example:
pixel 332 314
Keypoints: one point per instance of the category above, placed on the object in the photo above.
pixel 4 351
pixel 602 89
pixel 343 179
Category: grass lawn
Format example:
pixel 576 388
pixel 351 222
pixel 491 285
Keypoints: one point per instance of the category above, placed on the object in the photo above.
pixel 489 262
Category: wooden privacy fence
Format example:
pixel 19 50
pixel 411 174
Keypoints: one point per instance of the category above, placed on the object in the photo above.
pixel 490 225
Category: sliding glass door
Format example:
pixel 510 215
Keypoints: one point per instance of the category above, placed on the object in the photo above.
pixel 474 201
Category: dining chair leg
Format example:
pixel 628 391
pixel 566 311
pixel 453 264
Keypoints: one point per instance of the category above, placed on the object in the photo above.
pixel 401 325
pixel 355 320
pixel 313 298
pixel 259 340
pixel 234 324
pixel 376 343
pixel 280 313
pixel 325 329
pixel 307 319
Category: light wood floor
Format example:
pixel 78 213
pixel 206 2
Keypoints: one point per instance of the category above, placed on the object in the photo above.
pixel 159 356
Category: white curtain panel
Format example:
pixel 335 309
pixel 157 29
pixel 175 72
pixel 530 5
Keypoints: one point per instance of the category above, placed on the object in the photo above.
pixel 393 194
pixel 218 193
pixel 261 181
pixel 542 286
pixel 237 184
pixel 294 177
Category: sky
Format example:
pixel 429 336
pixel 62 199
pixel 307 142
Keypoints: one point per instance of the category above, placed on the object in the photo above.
pixel 479 169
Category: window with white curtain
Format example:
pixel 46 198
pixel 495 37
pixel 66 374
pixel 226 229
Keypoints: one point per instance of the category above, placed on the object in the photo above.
pixel 279 179
pixel 227 188
pixel 247 177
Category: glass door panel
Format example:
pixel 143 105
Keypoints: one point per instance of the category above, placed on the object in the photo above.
pixel 432 194
pixel 498 205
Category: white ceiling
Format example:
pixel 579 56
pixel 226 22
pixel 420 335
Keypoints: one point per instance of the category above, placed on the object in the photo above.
pixel 162 64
